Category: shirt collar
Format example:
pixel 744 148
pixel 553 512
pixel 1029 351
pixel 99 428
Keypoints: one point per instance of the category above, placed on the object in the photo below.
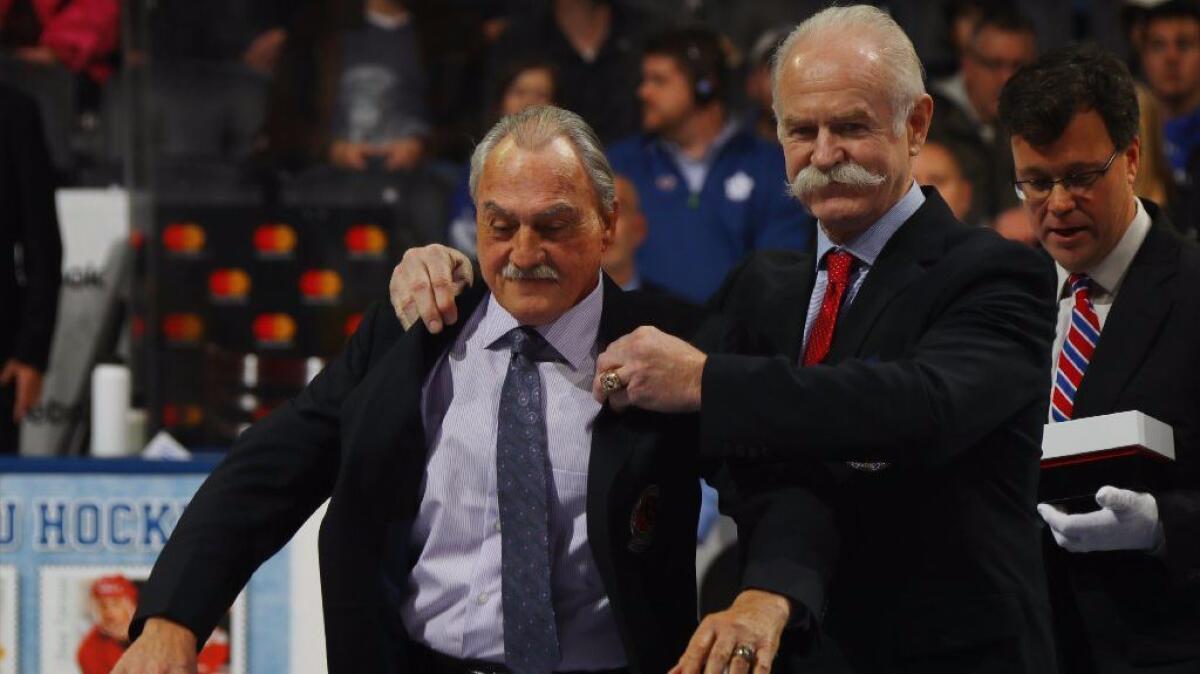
pixel 867 246
pixel 1110 271
pixel 676 153
pixel 573 335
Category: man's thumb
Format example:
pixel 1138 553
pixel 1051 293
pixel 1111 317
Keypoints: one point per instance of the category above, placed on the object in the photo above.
pixel 1114 498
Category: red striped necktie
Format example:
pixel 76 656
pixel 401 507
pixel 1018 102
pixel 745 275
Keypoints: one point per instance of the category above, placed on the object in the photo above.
pixel 837 277
pixel 1077 349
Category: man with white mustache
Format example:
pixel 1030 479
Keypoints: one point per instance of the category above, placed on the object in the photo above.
pixel 901 370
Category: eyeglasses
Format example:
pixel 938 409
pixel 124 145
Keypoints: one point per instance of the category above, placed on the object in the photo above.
pixel 1038 189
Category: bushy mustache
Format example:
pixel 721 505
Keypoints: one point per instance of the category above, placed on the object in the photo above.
pixel 810 178
pixel 542 271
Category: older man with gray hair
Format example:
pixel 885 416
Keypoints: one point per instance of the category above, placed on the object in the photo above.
pixel 900 370
pixel 486 513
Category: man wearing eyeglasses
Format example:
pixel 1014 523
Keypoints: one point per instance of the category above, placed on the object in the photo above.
pixel 1125 579
pixel 1002 41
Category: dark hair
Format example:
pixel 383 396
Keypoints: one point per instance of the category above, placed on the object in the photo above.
pixel 512 70
pixel 699 54
pixel 1173 9
pixel 1042 98
pixel 1003 18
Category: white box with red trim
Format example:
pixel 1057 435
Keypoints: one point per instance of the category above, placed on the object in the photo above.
pixel 1105 437
pixel 1130 450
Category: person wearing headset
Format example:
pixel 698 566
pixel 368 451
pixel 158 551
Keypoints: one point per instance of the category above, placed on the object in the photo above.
pixel 710 188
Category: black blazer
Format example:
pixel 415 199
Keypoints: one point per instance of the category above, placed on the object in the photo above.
pixel 939 368
pixel 28 218
pixel 1130 607
pixel 355 434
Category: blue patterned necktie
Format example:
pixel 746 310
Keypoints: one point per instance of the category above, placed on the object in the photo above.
pixel 522 468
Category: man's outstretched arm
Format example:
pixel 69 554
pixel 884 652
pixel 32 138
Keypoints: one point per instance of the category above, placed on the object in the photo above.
pixel 278 473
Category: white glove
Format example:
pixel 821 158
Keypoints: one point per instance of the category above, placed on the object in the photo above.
pixel 1127 520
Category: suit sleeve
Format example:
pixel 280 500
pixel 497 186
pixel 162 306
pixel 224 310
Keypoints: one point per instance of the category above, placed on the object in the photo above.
pixel 1179 512
pixel 981 359
pixel 786 533
pixel 41 244
pixel 279 471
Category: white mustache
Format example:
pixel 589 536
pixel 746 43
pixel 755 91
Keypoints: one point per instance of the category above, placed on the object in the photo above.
pixel 543 271
pixel 810 178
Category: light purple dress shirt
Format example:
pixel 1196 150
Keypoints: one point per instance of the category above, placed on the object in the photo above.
pixel 453 603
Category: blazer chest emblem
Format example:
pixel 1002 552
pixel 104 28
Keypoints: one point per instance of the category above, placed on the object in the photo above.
pixel 644 519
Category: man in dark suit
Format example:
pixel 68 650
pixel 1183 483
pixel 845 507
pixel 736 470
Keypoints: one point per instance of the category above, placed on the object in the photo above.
pixel 471 526
pixel 28 223
pixel 901 370
pixel 1125 579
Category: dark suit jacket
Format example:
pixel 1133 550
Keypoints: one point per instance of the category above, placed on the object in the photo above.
pixel 939 368
pixel 1137 610
pixel 28 218
pixel 355 434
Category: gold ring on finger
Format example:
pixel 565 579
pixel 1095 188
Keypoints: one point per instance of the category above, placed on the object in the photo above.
pixel 746 653
pixel 610 382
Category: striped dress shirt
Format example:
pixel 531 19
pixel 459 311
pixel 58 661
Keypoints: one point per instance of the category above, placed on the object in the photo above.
pixel 453 600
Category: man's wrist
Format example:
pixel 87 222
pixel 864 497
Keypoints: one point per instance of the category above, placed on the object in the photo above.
pixel 158 627
pixel 770 601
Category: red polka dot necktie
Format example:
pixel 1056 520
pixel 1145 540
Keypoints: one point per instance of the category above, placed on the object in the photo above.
pixel 838 264
pixel 1077 349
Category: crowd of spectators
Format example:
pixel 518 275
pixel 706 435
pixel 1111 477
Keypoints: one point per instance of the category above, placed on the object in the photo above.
pixel 243 95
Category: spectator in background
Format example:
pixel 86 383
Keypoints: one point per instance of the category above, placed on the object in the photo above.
pixel 761 113
pixel 628 234
pixel 709 187
pixel 1171 64
pixel 80 34
pixel 937 166
pixel 349 89
pixel 29 290
pixel 525 83
pixel 965 121
pixel 1154 174
pixel 595 45
pixel 252 33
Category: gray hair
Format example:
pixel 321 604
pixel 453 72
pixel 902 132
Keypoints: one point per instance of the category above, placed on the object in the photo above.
pixel 901 69
pixel 537 126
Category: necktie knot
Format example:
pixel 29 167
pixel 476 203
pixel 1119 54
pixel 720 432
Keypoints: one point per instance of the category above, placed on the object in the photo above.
pixel 1081 286
pixel 838 264
pixel 528 342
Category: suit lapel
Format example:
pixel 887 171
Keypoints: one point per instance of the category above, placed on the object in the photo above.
pixel 902 261
pixel 794 297
pixel 614 437
pixel 608 451
pixel 1141 306
pixel 386 430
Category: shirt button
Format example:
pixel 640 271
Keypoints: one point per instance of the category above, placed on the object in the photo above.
pixel 497 526
pixel 482 598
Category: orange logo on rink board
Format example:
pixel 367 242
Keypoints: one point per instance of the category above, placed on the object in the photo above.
pixel 274 329
pixel 274 240
pixel 320 285
pixel 366 241
pixel 228 285
pixel 177 415
pixel 183 238
pixel 182 328
pixel 351 324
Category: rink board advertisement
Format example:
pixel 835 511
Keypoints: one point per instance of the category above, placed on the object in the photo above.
pixel 78 539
